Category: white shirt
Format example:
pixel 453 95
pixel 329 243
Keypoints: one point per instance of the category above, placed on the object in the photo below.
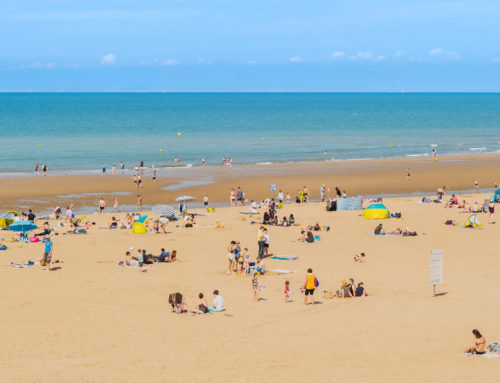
pixel 219 302
pixel 280 196
pixel 266 239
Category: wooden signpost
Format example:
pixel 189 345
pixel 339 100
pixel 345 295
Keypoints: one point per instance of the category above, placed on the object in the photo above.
pixel 436 268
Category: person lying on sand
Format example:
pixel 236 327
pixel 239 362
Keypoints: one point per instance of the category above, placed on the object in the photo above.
pixel 44 231
pixel 202 307
pixel 478 345
pixel 359 258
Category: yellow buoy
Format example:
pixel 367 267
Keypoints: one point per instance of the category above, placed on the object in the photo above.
pixel 161 150
pixel 325 153
pixel 262 139
pixel 390 144
pixel 179 134
pixel 40 145
pixel 437 159
pixel 333 158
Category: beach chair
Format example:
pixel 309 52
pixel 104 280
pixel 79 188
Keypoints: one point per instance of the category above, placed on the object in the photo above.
pixel 486 205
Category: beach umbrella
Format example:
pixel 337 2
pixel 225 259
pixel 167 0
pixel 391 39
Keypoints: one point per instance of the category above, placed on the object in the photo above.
pixel 185 198
pixel 164 210
pixel 23 226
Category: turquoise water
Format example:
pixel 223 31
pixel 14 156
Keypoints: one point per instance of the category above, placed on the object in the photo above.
pixel 72 131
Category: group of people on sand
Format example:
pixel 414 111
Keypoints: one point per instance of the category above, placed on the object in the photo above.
pixel 142 257
pixel 180 306
pixel 240 262
pixel 379 230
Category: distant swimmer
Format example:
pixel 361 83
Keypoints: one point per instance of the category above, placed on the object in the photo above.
pixel 122 166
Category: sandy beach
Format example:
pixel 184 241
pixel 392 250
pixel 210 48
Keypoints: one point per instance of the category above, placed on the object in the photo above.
pixel 93 321
pixel 370 177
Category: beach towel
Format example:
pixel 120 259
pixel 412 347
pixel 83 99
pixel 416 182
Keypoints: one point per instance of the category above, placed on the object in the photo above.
pixel 285 257
pixel 386 235
pixel 215 310
pixel 23 265
pixel 487 355
pixel 495 347
pixel 3 248
pixel 123 264
pixel 281 271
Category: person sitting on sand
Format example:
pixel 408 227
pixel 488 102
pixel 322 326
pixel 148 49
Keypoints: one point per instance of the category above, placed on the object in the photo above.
pixel 379 230
pixel 45 230
pixel 291 220
pixel 130 261
pixel 345 291
pixel 303 235
pixel 476 208
pixel 359 258
pixel 218 302
pixel 114 223
pixel 478 346
pixel 260 267
pixel 360 290
pixel 202 307
pixel 284 222
pixel 190 221
pixel 453 201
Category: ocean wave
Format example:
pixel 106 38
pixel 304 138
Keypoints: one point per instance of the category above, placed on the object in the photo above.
pixel 477 148
pixel 417 155
pixel 264 163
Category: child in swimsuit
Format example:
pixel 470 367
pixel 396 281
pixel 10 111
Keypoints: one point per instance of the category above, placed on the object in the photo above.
pixel 287 291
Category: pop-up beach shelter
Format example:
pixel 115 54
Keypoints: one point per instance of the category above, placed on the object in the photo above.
pixel 376 211
pixel 139 225
pixel 7 218
pixel 352 203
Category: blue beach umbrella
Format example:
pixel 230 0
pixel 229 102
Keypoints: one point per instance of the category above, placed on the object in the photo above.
pixel 23 226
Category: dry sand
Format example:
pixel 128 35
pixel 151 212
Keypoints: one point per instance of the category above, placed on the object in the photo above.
pixel 98 322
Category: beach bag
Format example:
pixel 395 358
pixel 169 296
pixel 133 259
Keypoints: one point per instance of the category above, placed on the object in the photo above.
pixel 316 282
pixel 34 239
pixel 495 347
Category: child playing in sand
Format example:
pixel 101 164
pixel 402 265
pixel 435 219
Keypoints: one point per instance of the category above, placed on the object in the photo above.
pixel 255 287
pixel 287 290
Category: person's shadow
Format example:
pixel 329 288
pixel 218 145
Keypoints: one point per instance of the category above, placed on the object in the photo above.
pixel 56 268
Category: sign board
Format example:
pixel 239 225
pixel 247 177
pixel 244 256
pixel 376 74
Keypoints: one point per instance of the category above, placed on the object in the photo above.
pixel 273 187
pixel 436 267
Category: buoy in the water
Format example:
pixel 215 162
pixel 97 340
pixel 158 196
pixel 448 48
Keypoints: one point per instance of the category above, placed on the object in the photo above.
pixel 262 139
pixel 161 150
pixel 40 145
pixel 436 159
pixel 390 144
pixel 179 134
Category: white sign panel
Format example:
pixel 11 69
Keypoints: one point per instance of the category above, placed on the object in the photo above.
pixel 436 267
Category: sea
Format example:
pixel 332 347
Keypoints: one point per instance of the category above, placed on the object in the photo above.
pixel 82 132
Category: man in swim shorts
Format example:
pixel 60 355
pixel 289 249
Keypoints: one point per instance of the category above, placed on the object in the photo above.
pixel 47 255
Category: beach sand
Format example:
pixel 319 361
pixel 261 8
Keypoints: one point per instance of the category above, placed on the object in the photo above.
pixel 93 321
pixel 371 177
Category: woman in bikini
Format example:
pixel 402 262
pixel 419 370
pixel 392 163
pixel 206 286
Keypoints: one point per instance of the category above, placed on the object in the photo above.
pixel 478 345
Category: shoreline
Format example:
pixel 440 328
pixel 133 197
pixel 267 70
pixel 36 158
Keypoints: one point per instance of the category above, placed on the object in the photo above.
pixel 374 178
pixel 289 163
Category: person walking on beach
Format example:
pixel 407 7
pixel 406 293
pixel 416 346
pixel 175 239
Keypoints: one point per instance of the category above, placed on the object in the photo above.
pixel 154 175
pixel 309 286
pixel 240 196
pixel 203 161
pixel 36 168
pixel 255 287
pixel 47 255
pixel 408 174
pixel 491 211
pixel 115 205
pixel 139 181
pixel 223 161
pixel 122 167
pixel 139 202
pixel 44 169
pixel 232 197
pixel 266 243
pixel 102 205
pixel 476 186
pixel 280 196
pixel 261 240
pixel 322 192
pixel 434 153
pixel 113 169
pixel 104 169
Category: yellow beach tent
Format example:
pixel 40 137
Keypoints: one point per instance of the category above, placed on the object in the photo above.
pixel 376 211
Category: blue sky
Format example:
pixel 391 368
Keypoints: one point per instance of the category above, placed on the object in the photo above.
pixel 243 45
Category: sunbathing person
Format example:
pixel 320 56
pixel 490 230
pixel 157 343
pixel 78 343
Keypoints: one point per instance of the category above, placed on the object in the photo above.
pixel 291 220
pixel 479 344
pixel 303 236
pixel 316 227
pixel 398 231
pixel 476 208
pixel 202 307
pixel 453 201
pixel 359 258
pixel 130 261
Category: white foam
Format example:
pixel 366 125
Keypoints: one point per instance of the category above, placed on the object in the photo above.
pixel 477 148
pixel 417 155
pixel 264 163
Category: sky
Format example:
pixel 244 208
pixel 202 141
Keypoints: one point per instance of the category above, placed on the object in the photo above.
pixel 250 45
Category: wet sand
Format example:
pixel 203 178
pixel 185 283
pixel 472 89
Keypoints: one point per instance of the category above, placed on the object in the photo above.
pixel 372 177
